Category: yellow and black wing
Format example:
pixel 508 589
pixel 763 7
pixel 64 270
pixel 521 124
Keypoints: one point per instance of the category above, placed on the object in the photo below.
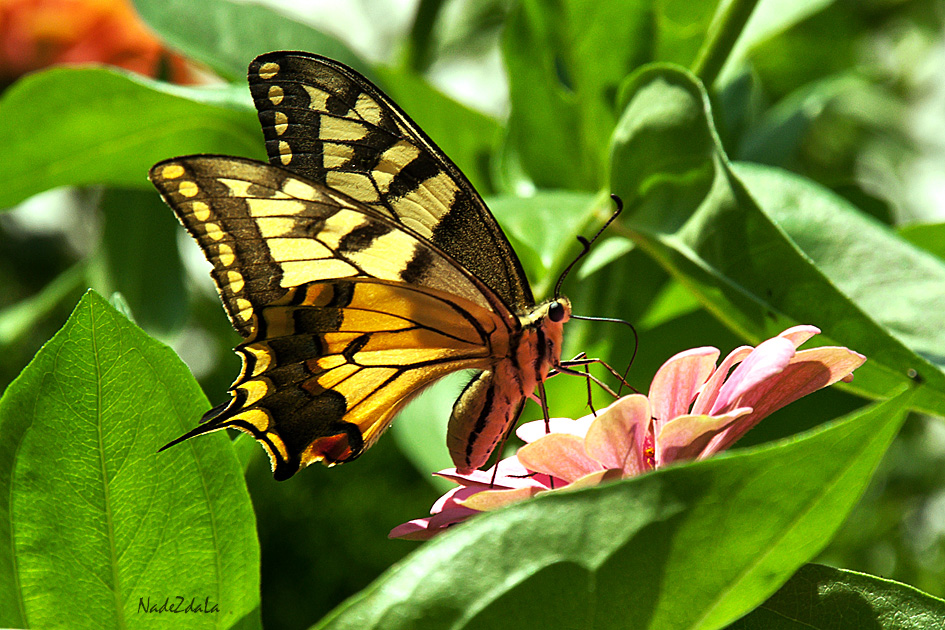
pixel 346 312
pixel 332 126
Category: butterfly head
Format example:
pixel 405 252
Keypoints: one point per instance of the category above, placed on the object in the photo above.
pixel 547 321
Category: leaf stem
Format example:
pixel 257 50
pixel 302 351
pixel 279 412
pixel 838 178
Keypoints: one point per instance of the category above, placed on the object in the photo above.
pixel 723 32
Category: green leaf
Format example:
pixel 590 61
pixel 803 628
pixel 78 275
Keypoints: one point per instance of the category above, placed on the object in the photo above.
pixel 825 597
pixel 72 127
pixel 690 211
pixel 139 236
pixel 562 89
pixel 227 35
pixel 898 285
pixel 543 228
pixel 720 535
pixel 770 18
pixel 928 236
pixel 95 521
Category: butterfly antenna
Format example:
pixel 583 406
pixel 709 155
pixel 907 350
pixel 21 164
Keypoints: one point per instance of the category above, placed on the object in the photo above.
pixel 636 341
pixel 586 244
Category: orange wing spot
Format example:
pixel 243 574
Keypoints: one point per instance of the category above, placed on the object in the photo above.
pixel 332 450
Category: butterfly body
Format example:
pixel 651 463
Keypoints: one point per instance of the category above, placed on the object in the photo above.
pixel 360 266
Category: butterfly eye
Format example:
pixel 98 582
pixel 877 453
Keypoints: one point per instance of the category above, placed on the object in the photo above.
pixel 556 312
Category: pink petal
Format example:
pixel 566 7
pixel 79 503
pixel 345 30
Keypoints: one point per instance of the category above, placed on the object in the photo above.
pixel 764 362
pixel 686 437
pixel 417 529
pixel 678 380
pixel 511 474
pixel 615 439
pixel 531 431
pixel 494 499
pixel 807 372
pixel 426 528
pixel 710 391
pixel 799 334
pixel 559 455
pixel 594 479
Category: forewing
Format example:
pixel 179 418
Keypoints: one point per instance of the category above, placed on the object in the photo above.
pixel 346 313
pixel 329 124
pixel 266 230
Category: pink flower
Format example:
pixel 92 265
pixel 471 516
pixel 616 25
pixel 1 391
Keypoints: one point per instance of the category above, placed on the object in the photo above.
pixel 693 410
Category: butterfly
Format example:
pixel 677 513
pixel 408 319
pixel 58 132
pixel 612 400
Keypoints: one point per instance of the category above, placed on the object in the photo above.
pixel 359 265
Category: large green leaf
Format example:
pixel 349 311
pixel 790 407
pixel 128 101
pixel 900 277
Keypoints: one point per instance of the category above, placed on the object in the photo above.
pixel 928 236
pixel 897 284
pixel 227 35
pixel 693 546
pixel 825 597
pixel 97 526
pixel 77 126
pixel 693 214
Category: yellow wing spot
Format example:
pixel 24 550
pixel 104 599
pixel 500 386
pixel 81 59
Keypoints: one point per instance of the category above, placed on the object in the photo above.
pixel 188 188
pixel 255 390
pixel 225 255
pixel 330 361
pixel 261 360
pixel 285 249
pixel 172 171
pixel 317 99
pixel 295 273
pixel 272 208
pixel 421 228
pixel 268 70
pixel 341 129
pixel 357 185
pixel 237 187
pixel 387 256
pixel 358 389
pixel 356 320
pixel 368 109
pixel 271 227
pixel 336 155
pixel 275 94
pixel 300 190
pixel 285 152
pixel 282 123
pixel 344 202
pixel 339 225
pixel 213 231
pixel 235 279
pixel 245 309
pixel 201 210
pixel 318 295
pixel 280 446
pixel 434 197
pixel 256 417
pixel 392 162
pixel 337 375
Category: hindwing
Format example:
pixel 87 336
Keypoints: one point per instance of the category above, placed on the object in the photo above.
pixel 346 313
pixel 331 125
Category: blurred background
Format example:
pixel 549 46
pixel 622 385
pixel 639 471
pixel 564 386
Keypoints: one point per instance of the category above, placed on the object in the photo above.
pixel 848 93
